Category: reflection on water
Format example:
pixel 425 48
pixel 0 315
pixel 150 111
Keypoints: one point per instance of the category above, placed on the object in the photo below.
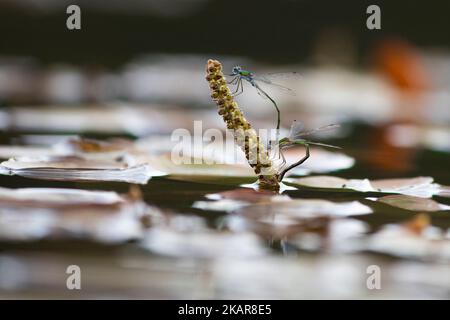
pixel 203 256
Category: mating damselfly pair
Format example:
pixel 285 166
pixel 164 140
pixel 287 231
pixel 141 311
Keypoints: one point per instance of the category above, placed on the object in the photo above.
pixel 297 132
pixel 297 128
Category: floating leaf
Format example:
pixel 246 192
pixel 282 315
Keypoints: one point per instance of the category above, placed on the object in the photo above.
pixel 164 163
pixel 444 191
pixel 77 168
pixel 412 203
pixel 218 161
pixel 55 196
pixel 409 241
pixel 419 186
pixel 32 214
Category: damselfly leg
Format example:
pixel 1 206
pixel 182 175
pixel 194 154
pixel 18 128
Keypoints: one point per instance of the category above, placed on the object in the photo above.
pixel 281 176
pixel 234 80
pixel 239 88
pixel 264 94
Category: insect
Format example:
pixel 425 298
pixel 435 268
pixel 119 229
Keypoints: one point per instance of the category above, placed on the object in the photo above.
pixel 297 133
pixel 296 137
pixel 240 74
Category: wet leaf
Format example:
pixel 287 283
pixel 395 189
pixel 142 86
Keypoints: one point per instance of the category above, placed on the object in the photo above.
pixel 192 171
pixel 413 239
pixel 412 203
pixel 64 197
pixel 418 186
pixel 33 214
pixel 231 162
pixel 77 168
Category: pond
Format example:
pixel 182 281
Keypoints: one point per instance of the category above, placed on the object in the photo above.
pixel 233 251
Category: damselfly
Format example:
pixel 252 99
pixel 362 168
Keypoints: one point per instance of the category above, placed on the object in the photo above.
pixel 240 74
pixel 297 133
pixel 296 137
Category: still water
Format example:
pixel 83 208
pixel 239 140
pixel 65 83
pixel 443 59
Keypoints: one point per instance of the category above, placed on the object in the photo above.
pixel 279 268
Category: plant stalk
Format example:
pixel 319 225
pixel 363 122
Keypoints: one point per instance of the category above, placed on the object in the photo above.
pixel 244 135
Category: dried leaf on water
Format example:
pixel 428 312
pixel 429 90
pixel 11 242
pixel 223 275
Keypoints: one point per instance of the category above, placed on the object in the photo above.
pixel 33 213
pixel 413 239
pixel 419 186
pixel 412 203
pixel 231 162
pixel 199 170
pixel 77 168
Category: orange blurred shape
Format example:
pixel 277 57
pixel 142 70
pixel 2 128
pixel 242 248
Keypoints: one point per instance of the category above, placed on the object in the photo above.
pixel 401 63
pixel 418 223
pixel 384 156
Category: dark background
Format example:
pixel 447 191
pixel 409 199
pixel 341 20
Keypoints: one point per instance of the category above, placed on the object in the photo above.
pixel 275 31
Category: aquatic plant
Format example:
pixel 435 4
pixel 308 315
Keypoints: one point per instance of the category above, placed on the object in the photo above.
pixel 244 135
pixel 260 158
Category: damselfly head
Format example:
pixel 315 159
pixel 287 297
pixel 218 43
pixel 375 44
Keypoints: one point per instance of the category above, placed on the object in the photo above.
pixel 236 70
